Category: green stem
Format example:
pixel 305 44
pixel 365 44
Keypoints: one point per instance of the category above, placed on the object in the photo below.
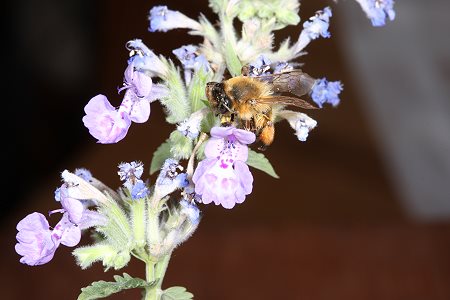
pixel 161 268
pixel 151 293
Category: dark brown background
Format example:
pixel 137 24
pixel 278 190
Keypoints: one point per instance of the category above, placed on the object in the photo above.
pixel 331 228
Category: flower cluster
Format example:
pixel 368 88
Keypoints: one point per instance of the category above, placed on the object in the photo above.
pixel 208 155
pixel 37 243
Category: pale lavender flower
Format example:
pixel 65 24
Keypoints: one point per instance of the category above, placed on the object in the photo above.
pixel 191 61
pixel 130 171
pixel 316 26
pixel 84 173
pixel 35 241
pixel 191 211
pixel 283 66
pixel 66 232
pixel 223 176
pixel 300 122
pixel 139 190
pixel 378 10
pixel 163 19
pixel 104 122
pixel 145 59
pixel 139 82
pixel 186 54
pixel 130 174
pixel 260 66
pixel 169 178
pixel 325 91
pixel 191 126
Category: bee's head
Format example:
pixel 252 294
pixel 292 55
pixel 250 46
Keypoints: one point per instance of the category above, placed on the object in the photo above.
pixel 217 97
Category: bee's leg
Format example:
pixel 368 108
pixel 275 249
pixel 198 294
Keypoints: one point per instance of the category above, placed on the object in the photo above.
pixel 267 135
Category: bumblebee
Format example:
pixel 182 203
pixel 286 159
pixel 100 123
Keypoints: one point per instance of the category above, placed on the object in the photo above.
pixel 247 102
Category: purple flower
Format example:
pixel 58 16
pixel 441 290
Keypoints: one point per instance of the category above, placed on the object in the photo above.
pixel 191 210
pixel 130 171
pixel 169 178
pixel 163 19
pixel 283 66
pixel 223 177
pixel 145 59
pixel 110 125
pixel 35 242
pixel 260 66
pixel 104 122
pixel 84 173
pixel 378 10
pixel 191 61
pixel 139 190
pixel 316 26
pixel 326 92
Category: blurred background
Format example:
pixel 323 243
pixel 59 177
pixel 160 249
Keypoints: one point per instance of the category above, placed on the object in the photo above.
pixel 362 210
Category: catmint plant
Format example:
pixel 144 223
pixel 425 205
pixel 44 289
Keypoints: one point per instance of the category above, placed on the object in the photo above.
pixel 203 161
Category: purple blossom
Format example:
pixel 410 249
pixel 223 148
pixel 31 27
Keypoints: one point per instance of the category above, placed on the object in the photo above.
pixel 223 176
pixel 109 125
pixel 191 61
pixel 169 179
pixel 130 171
pixel 283 66
pixel 163 19
pixel 260 66
pixel 326 92
pixel 35 242
pixel 145 59
pixel 316 26
pixel 130 174
pixel 378 10
pixel 139 190
pixel 104 122
pixel 84 173
pixel 191 210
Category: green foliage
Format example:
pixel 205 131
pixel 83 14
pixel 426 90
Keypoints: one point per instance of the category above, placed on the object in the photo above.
pixel 117 230
pixel 176 102
pixel 209 122
pixel 283 12
pixel 160 156
pixel 180 145
pixel 260 162
pixel 176 293
pixel 102 289
pixel 138 217
pixel 197 89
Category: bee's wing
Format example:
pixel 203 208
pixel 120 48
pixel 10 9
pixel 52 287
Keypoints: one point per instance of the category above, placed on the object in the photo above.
pixel 295 82
pixel 285 100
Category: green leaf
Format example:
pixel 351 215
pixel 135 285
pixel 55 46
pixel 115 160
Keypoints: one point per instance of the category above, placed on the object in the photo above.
pixel 180 145
pixel 176 102
pixel 260 162
pixel 176 293
pixel 197 89
pixel 102 289
pixel 160 156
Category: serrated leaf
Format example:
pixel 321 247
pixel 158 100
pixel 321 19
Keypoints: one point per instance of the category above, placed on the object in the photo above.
pixel 260 162
pixel 102 289
pixel 176 293
pixel 160 156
